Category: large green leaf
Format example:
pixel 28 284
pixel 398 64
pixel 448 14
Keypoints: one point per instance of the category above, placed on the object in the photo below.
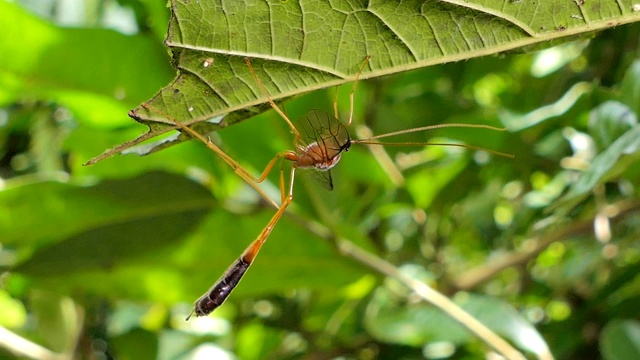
pixel 108 216
pixel 140 263
pixel 299 46
pixel 292 258
pixel 67 235
pixel 107 246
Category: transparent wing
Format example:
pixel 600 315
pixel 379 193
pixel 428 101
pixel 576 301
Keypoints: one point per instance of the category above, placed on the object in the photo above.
pixel 325 130
pixel 324 178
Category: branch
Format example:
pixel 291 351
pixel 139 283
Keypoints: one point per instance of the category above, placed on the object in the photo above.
pixel 24 348
pixel 535 245
pixel 351 250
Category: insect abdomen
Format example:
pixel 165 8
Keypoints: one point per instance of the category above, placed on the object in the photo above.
pixel 221 290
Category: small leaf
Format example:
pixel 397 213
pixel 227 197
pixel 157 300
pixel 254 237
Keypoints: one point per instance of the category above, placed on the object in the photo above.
pixel 12 312
pixel 58 319
pixel 620 340
pixel 601 167
pixel 609 121
pixel 517 122
pixel 501 317
pixel 412 325
pixel 630 87
pixel 422 323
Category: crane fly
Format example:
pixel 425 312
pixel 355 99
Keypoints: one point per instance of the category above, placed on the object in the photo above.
pixel 319 145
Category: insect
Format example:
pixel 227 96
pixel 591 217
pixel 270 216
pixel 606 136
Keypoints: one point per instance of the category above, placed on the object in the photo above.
pixel 319 144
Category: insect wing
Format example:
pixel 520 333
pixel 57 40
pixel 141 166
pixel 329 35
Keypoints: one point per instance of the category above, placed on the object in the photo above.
pixel 325 130
pixel 322 176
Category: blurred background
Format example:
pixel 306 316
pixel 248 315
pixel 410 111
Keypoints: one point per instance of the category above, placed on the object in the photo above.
pixel 105 261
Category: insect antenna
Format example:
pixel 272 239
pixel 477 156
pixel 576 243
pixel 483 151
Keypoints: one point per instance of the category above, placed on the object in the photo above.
pixel 373 140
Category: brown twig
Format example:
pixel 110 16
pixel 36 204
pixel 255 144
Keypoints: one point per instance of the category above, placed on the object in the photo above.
pixel 535 245
pixel 424 291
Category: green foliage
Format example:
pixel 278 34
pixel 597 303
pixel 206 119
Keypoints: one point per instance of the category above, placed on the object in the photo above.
pixel 543 249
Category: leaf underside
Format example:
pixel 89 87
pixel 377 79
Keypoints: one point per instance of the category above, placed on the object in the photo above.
pixel 300 46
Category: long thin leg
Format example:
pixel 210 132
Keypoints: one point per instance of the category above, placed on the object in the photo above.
pixel 221 290
pixel 335 103
pixel 271 102
pixel 353 90
pixel 237 168
pixel 351 94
